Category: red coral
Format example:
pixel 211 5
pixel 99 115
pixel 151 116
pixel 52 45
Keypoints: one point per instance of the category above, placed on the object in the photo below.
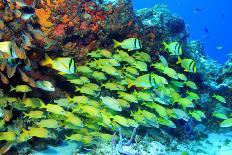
pixel 83 25
pixel 59 30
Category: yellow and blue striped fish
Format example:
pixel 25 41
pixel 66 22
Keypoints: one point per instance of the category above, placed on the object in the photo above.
pixel 174 48
pixel 188 65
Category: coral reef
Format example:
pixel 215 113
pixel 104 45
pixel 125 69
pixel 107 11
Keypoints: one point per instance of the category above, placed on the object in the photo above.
pixel 158 22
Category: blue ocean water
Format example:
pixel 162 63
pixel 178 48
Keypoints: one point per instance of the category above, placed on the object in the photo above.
pixel 210 21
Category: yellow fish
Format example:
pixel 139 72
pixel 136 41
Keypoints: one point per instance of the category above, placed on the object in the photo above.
pixel 87 90
pixel 105 53
pixel 21 88
pixel 8 136
pixel 145 95
pixel 226 123
pixel 141 66
pixel 131 70
pixel 219 98
pixel 111 103
pixel 75 137
pixel 102 136
pixel 159 80
pixel 160 110
pixel 174 48
pixel 110 70
pixel 79 99
pixel 48 123
pixel 128 97
pixel 39 132
pixel 191 84
pixel 144 81
pixel 130 44
pixel 93 86
pixel 151 118
pixel 220 115
pixel 65 65
pixel 185 102
pixel 71 118
pixel 55 109
pixel 121 120
pixel 106 120
pixel 33 102
pixel 84 69
pixel 166 122
pixel 24 136
pixel 142 56
pixel 197 115
pixel 99 76
pixel 188 65
pixel 113 86
pixel 123 103
pixel 170 72
pixel 121 54
pixel 182 77
pixel 181 114
pixel 92 111
pixel 34 114
pixel 192 95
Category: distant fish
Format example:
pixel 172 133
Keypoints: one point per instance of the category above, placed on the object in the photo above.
pixel 180 3
pixel 197 10
pixel 222 15
pixel 188 28
pixel 205 36
pixel 206 30
pixel 219 47
pixel 4 78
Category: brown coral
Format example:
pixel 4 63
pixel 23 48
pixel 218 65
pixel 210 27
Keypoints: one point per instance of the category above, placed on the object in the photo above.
pixel 43 15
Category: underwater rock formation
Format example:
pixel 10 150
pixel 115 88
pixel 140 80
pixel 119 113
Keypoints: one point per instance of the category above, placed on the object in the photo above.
pixel 166 25
pixel 207 67
pixel 86 24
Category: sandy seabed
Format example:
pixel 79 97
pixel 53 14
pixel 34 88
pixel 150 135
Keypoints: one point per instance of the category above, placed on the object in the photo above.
pixel 214 144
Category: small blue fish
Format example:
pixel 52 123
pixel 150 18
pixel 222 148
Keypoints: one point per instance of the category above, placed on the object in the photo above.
pixel 197 10
pixel 206 30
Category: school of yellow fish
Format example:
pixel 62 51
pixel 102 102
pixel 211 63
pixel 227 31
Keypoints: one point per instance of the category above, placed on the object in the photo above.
pixel 123 88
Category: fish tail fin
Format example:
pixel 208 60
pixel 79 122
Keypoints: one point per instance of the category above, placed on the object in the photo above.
pixel 25 114
pixel 67 138
pixel 194 69
pixel 77 89
pixel 69 99
pixel 11 88
pixel 130 84
pixel 135 92
pixel 131 113
pixel 116 43
pixel 165 45
pixel 179 60
pixel 61 73
pixel 43 106
pixel 102 84
pixel 46 61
